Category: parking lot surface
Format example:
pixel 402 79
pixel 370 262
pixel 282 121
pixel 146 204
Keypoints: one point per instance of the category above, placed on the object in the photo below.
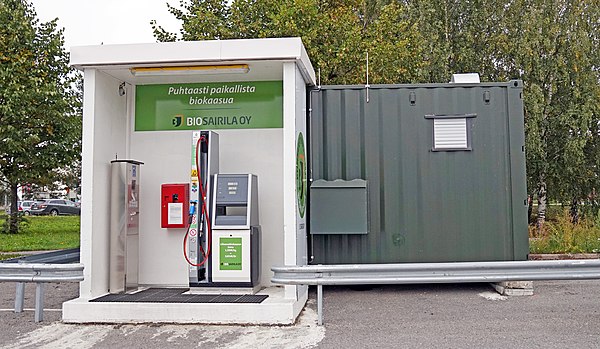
pixel 561 314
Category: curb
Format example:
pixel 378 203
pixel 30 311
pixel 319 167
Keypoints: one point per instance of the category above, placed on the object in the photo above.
pixel 562 256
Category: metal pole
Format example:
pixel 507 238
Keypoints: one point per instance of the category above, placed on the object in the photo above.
pixel 39 302
pixel 20 297
pixel 367 85
pixel 320 304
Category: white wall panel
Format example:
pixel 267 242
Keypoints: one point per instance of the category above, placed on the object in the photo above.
pixel 104 137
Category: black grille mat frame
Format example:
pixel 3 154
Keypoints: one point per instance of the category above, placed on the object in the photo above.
pixel 175 295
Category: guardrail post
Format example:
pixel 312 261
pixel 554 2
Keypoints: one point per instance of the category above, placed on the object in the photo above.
pixel 320 304
pixel 20 297
pixel 20 273
pixel 39 302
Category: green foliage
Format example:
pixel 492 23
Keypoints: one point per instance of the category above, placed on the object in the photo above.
pixel 40 122
pixel 17 219
pixel 554 54
pixel 562 236
pixel 43 233
pixel 337 34
pixel 554 212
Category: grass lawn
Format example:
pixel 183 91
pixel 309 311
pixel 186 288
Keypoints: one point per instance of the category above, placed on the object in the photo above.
pixel 42 233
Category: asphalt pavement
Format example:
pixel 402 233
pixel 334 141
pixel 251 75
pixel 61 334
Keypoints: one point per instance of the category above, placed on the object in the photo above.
pixel 563 314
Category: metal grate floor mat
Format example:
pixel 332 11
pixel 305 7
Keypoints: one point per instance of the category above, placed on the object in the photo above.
pixel 175 295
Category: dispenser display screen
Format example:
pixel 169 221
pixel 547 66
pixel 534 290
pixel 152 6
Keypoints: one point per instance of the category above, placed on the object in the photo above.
pixel 232 189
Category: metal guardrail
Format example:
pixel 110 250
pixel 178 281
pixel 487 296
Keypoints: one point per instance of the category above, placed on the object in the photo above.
pixel 38 274
pixel 54 257
pixel 426 273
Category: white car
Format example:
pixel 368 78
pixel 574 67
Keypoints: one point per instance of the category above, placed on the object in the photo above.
pixel 23 206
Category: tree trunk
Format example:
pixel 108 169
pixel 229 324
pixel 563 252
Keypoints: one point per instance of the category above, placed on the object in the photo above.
pixel 574 211
pixel 541 218
pixel 13 225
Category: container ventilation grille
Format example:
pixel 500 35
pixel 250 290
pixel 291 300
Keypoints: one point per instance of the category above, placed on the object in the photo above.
pixel 450 133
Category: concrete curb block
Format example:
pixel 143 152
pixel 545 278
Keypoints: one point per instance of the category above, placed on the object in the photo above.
pixel 525 288
pixel 514 288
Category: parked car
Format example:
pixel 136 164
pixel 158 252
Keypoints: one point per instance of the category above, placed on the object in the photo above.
pixel 24 207
pixel 55 207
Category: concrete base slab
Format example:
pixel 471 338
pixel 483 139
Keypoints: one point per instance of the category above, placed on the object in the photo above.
pixel 514 288
pixel 275 310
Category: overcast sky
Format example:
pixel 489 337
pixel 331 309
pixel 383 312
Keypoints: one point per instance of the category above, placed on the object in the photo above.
pixel 91 22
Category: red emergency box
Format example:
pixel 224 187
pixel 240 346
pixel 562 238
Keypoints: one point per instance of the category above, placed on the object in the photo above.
pixel 174 209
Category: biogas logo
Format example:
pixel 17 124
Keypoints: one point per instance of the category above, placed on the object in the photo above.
pixel 177 120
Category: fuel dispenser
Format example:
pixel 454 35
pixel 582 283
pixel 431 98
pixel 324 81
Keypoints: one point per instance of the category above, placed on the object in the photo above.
pixel 220 214
pixel 204 166
pixel 235 231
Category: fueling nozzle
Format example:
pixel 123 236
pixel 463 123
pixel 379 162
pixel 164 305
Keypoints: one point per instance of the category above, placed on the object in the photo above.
pixel 193 204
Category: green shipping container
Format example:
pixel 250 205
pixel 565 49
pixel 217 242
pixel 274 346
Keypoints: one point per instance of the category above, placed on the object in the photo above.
pixel 440 170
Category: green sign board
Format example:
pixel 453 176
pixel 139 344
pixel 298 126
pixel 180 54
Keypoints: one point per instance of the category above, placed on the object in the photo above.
pixel 230 253
pixel 208 106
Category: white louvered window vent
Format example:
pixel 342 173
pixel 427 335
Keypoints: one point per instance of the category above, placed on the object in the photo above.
pixel 450 134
